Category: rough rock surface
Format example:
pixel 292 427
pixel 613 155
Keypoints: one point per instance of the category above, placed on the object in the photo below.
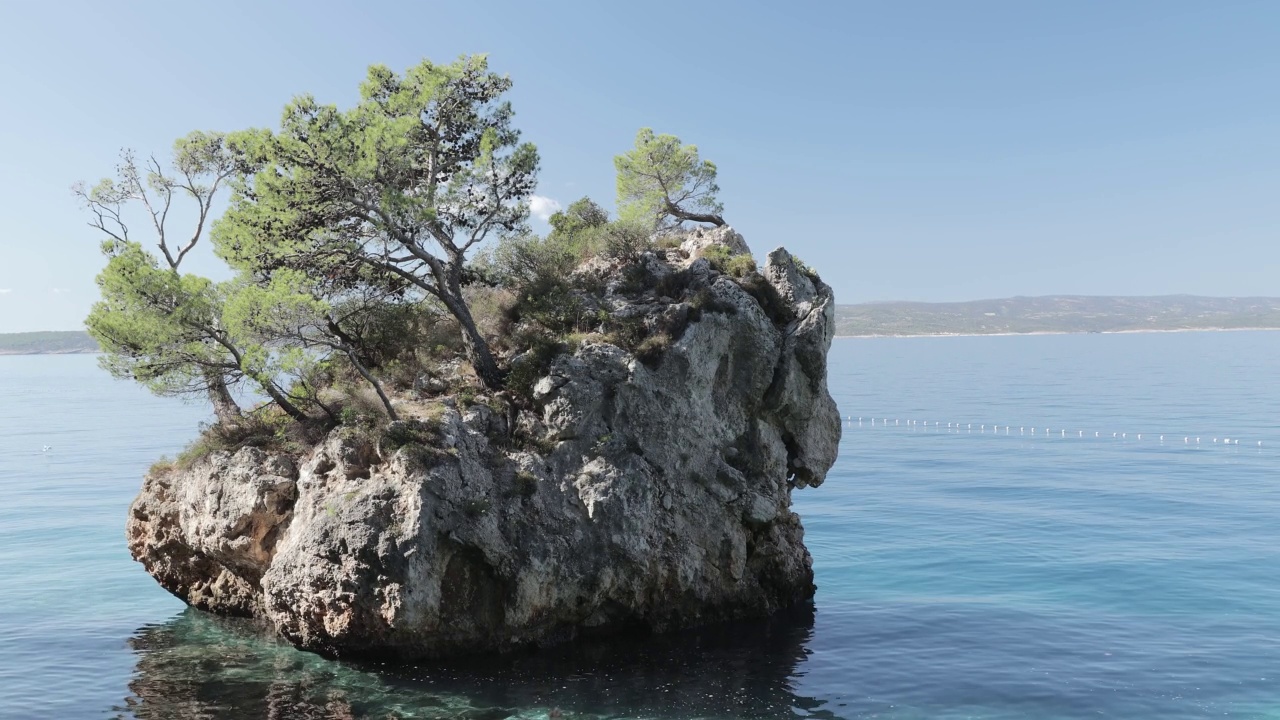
pixel 658 495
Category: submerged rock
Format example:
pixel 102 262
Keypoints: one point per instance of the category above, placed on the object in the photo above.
pixel 657 496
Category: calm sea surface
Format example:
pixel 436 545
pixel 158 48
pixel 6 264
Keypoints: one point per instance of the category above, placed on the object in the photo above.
pixel 962 572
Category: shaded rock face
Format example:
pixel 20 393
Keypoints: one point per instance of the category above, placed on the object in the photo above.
pixel 658 497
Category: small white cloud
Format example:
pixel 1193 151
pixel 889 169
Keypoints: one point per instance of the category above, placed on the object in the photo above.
pixel 59 291
pixel 543 207
pixel 5 291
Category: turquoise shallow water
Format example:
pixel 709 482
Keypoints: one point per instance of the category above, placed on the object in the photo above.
pixel 962 573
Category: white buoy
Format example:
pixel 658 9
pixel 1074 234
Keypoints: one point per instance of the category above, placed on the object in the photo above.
pixel 46 448
pixel 1259 443
pixel 1197 441
pixel 1081 433
pixel 1064 433
pixel 1139 436
pixel 1022 431
pixel 1097 434
pixel 1161 438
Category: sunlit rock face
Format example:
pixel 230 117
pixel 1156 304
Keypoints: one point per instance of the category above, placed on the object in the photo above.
pixel 657 494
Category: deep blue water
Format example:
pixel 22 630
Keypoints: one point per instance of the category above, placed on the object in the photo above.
pixel 962 573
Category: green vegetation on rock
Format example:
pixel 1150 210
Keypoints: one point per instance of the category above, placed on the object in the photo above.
pixel 382 261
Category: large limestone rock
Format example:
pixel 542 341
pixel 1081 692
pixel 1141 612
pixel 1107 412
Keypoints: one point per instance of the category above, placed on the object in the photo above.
pixel 658 496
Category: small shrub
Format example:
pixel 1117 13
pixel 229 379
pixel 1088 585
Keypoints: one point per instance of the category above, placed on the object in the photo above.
pixel 400 373
pixel 265 429
pixel 466 398
pixel 349 416
pixel 573 341
pixel 406 432
pixel 526 483
pixel 674 285
pixel 624 240
pixel 553 305
pixel 705 301
pixel 163 466
pixel 717 255
pixel 385 331
pixel 635 280
pixel 651 349
pixel 806 269
pixel 540 445
pixel 740 266
pixel 361 407
pixel 724 260
pixel 628 332
pixel 532 366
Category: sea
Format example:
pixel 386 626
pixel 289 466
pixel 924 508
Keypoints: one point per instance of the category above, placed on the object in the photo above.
pixel 1051 526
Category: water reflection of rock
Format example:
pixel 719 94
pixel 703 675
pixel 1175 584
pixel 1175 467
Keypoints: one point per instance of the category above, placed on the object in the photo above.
pixel 199 666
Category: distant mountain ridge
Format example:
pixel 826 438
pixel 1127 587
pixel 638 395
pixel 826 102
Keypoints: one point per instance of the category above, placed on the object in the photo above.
pixel 1058 314
pixel 47 343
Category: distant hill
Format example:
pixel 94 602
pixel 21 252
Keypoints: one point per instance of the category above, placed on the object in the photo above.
pixel 41 343
pixel 1058 314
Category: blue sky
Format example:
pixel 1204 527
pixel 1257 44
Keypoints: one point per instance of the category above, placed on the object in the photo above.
pixel 909 150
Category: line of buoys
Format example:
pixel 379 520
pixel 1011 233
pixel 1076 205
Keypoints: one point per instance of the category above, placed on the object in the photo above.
pixel 1023 430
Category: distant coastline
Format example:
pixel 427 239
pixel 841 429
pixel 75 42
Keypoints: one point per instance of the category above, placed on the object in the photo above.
pixel 49 352
pixel 1058 315
pixel 59 342
pixel 1060 332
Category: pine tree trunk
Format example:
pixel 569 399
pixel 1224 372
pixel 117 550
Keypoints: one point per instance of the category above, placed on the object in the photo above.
pixel 225 408
pixel 282 401
pixel 474 344
pixel 676 212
